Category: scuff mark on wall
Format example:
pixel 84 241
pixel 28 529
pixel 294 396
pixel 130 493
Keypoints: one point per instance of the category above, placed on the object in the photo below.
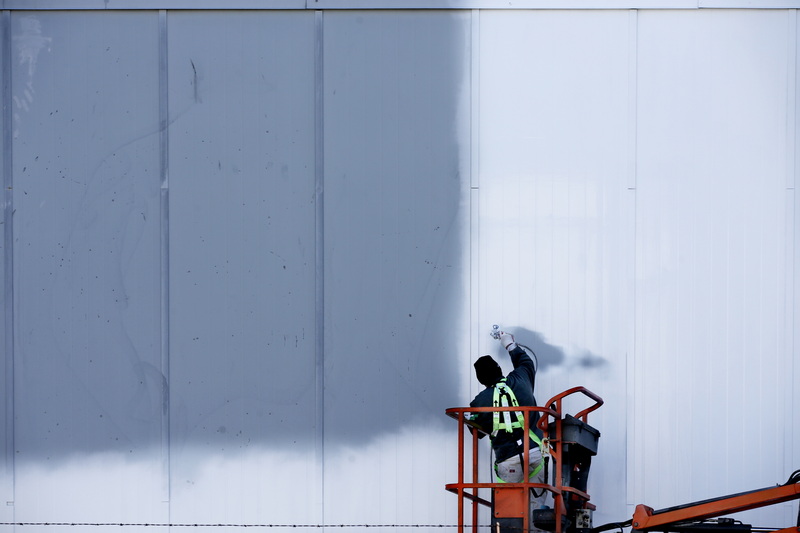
pixel 29 43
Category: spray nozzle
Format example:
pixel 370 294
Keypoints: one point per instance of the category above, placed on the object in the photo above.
pixel 495 333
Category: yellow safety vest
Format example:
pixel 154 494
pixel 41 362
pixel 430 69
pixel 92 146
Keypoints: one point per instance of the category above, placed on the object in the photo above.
pixel 503 396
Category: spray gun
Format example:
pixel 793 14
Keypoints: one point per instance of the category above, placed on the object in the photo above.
pixel 495 333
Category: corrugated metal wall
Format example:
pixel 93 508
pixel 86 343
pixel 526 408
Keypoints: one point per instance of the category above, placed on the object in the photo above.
pixel 640 166
pixel 250 255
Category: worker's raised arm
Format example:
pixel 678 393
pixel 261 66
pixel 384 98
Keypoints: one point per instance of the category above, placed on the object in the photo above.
pixel 519 357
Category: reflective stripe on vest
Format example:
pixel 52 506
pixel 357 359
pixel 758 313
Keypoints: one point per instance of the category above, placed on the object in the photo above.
pixel 503 396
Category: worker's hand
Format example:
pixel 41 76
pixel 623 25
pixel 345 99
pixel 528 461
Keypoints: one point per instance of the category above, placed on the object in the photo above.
pixel 507 340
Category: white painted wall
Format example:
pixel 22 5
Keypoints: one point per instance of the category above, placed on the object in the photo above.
pixel 637 176
pixel 259 313
pixel 715 250
pixel 556 213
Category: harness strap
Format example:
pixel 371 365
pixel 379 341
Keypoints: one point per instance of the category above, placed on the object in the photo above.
pixel 503 396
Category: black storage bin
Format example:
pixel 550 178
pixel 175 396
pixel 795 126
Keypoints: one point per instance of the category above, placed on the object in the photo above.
pixel 576 432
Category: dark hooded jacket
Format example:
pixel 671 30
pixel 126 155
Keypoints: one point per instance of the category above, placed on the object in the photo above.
pixel 521 380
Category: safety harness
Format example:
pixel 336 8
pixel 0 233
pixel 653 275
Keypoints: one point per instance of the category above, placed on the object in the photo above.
pixel 503 396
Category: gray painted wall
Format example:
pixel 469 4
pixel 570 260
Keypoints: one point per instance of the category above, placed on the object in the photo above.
pixel 250 255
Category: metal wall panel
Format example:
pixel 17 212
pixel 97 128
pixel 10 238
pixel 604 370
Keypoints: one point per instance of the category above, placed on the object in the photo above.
pixel 635 165
pixel 713 270
pixel 88 383
pixel 555 207
pixel 792 435
pixel 242 267
pixel 334 207
pixel 6 288
pixel 396 298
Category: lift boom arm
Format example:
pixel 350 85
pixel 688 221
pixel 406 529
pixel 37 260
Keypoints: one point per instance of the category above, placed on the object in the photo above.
pixel 645 518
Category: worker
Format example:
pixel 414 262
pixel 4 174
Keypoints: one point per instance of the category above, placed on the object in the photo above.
pixel 505 428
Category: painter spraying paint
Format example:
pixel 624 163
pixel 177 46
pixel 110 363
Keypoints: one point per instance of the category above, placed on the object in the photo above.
pixel 507 429
pixel 506 411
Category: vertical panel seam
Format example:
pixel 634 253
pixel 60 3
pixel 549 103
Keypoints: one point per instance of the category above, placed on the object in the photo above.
pixel 791 102
pixel 633 96
pixel 319 258
pixel 796 148
pixel 163 117
pixel 791 309
pixel 8 254
pixel 632 162
pixel 474 191
pixel 475 72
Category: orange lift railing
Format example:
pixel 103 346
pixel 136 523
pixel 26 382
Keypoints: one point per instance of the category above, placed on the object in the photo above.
pixel 569 441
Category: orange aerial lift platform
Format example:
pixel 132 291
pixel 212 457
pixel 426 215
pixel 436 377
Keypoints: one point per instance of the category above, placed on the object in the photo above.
pixel 569 444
